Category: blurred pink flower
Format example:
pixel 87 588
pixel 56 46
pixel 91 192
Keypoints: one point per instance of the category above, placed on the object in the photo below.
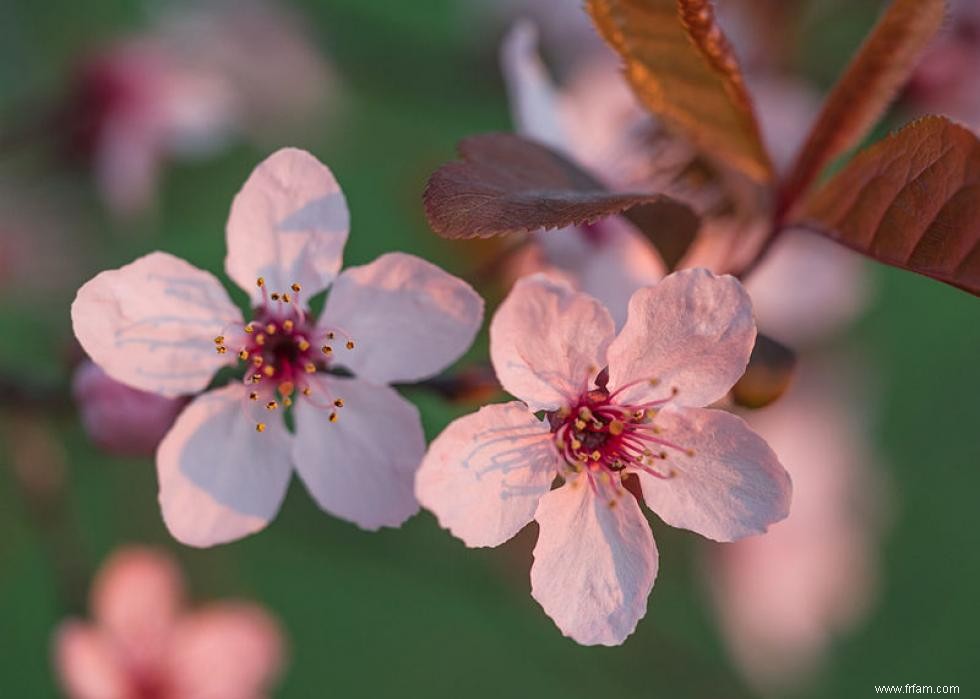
pixel 942 82
pixel 783 598
pixel 184 90
pixel 144 644
pixel 687 340
pixel 156 324
pixel 119 419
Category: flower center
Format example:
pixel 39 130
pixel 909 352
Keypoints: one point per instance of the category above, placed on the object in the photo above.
pixel 606 440
pixel 282 350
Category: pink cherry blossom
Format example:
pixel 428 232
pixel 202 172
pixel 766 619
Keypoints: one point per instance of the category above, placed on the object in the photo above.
pixel 144 644
pixel 119 419
pixel 197 80
pixel 162 325
pixel 617 409
pixel 783 598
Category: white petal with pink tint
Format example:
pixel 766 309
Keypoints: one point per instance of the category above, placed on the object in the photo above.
pixel 288 224
pixel 409 319
pixel 547 342
pixel 220 479
pixel 137 597
pixel 361 467
pixel 594 565
pixel 152 324
pixel 483 476
pixel 88 665
pixel 532 95
pixel 731 485
pixel 692 332
pixel 226 651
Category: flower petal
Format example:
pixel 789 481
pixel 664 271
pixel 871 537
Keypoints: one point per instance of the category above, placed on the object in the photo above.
pixel 594 565
pixel 409 318
pixel 730 487
pixel 547 342
pixel 220 479
pixel 288 224
pixel 483 476
pixel 692 332
pixel 362 467
pixel 533 98
pixel 226 651
pixel 136 597
pixel 152 324
pixel 87 664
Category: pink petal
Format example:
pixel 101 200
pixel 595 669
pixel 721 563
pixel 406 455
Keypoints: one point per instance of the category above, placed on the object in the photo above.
pixel 288 224
pixel 594 564
pixel 547 342
pixel 408 318
pixel 87 664
pixel 152 324
pixel 220 479
pixel 483 476
pixel 136 597
pixel 692 332
pixel 362 467
pixel 731 485
pixel 836 291
pixel 227 651
pixel 533 99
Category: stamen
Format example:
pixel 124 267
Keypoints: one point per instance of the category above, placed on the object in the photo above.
pixel 268 370
pixel 327 350
pixel 219 340
pixel 302 344
pixel 260 282
pixel 243 355
pixel 249 328
pixel 333 417
pixel 274 296
pixel 270 329
pixel 260 427
pixel 271 405
pixel 260 339
pixel 285 297
pixel 310 368
pixel 339 403
pixel 350 344
pixel 253 395
pixel 296 287
pixel 287 325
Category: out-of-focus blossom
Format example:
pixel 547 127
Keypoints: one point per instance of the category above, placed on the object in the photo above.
pixel 119 419
pixel 160 324
pixel 198 80
pixel 942 82
pixel 783 598
pixel 618 409
pixel 142 642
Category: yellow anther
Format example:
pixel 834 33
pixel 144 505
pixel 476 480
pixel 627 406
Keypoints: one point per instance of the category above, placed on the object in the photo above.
pixel 333 417
pixel 260 427
pixel 689 452
pixel 260 339
pixel 327 349
pixel 585 413
pixel 285 298
pixel 596 455
pixel 221 349
pixel 250 328
pixel 302 344
pixel 307 390
pixel 350 344
pixel 243 355
pixel 310 367
pixel 258 359
pixel 256 378
pixel 260 281
pixel 616 427
pixel 219 340
pixel 287 401
pixel 296 287
pixel 287 325
pixel 580 425
pixel 339 403
pixel 330 335
pixel 564 411
pixel 286 388
pixel 270 329
pixel 253 395
pixel 271 405
pixel 274 296
pixel 576 445
pixel 268 370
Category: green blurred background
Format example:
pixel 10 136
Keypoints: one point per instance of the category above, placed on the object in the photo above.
pixel 411 612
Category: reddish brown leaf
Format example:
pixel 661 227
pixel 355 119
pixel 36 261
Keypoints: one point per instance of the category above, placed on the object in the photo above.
pixel 768 375
pixel 682 69
pixel 912 201
pixel 508 184
pixel 874 76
